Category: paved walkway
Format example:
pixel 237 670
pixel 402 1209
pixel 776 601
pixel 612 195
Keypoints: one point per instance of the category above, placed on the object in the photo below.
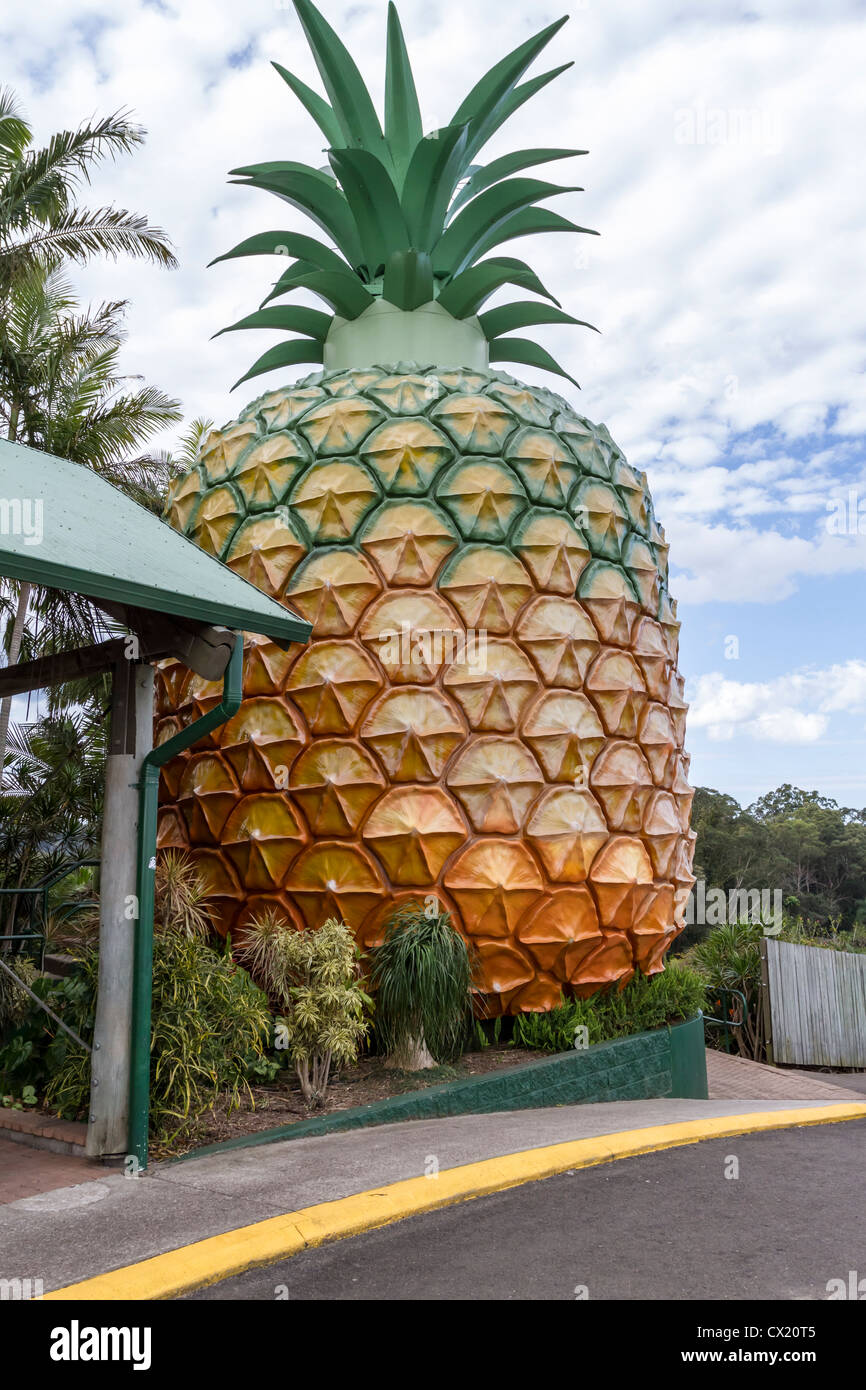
pixel 736 1078
pixel 25 1171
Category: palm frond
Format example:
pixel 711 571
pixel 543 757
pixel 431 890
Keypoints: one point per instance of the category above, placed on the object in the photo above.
pixel 79 233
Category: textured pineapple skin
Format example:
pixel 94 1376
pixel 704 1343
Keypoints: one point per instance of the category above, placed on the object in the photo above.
pixel 526 766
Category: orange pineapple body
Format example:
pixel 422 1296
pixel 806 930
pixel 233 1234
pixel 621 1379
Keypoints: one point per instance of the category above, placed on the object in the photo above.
pixel 489 712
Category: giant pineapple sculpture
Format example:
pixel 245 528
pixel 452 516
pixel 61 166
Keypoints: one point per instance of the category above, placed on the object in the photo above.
pixel 489 713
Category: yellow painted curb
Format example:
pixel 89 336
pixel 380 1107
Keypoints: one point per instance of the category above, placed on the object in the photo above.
pixel 265 1242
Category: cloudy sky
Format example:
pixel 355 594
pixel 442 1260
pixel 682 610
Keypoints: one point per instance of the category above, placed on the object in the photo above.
pixel 725 176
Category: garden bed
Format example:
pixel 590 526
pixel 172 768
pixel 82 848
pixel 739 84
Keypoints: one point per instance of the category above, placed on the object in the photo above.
pixel 666 1061
pixel 365 1083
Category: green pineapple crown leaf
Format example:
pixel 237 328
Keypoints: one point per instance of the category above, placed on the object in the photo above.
pixel 410 215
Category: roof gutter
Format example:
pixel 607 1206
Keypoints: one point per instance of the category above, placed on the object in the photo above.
pixel 148 789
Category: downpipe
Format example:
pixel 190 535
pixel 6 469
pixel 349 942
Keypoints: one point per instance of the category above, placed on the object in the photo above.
pixel 148 790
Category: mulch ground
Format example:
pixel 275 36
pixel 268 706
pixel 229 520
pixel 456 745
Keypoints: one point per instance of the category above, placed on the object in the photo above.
pixel 368 1080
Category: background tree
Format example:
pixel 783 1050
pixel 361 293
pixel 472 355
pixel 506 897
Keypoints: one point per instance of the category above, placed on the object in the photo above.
pixel 62 390
pixel 61 365
pixel 42 226
pixel 805 845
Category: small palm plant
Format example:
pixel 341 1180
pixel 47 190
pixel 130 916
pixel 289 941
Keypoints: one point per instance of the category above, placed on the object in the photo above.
pixel 313 976
pixel 422 974
pixel 729 958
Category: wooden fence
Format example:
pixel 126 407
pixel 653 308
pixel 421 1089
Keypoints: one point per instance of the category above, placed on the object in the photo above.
pixel 817 1004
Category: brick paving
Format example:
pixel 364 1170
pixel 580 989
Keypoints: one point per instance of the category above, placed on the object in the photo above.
pixel 737 1078
pixel 25 1171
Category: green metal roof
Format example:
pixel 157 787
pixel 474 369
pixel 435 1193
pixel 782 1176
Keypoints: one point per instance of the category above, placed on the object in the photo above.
pixel 96 541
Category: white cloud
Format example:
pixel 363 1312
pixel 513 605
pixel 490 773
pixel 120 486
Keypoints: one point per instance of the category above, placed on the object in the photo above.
pixel 722 280
pixel 794 708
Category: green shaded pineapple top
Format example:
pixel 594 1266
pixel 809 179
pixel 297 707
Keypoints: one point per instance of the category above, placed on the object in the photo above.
pixel 412 217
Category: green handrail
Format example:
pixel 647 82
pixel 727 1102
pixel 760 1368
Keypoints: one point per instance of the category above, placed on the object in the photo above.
pixel 42 889
pixel 142 986
pixel 728 1023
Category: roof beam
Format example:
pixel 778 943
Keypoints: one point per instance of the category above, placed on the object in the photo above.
pixel 205 650
pixel 59 667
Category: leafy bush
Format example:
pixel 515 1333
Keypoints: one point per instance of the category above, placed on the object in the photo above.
pixel 556 1030
pixel 422 977
pixel 210 1024
pixel 14 1003
pixel 313 976
pixel 35 1050
pixel 729 958
pixel 645 1003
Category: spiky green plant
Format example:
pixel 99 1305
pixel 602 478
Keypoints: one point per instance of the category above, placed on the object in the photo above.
pixel 211 1024
pixel 729 958
pixel 314 978
pixel 422 976
pixel 411 215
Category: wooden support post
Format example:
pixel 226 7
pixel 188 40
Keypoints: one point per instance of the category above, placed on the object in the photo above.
pixel 131 740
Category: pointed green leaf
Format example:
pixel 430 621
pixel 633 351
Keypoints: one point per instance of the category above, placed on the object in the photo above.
pixel 316 105
pixel 284 355
pixel 529 353
pixel 483 131
pixel 292 318
pixel 488 174
pixel 287 244
pixel 275 167
pixel 456 248
pixel 487 96
pixel 344 292
pixel 344 84
pixel 528 222
pixel 403 127
pixel 373 202
pixel 289 279
pixel 506 317
pixel 408 280
pixel 468 291
pixel 317 196
pixel 431 179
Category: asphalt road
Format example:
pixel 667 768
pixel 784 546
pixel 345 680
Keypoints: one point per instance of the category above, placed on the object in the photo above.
pixel 667 1225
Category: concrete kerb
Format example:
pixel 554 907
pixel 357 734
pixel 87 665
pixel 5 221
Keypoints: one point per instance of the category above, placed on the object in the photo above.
pixel 204 1262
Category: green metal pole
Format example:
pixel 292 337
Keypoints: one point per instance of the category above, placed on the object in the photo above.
pixel 139 1090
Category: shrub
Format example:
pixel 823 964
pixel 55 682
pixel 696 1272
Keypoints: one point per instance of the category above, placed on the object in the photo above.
pixel 729 957
pixel 422 976
pixel 645 1003
pixel 36 1048
pixel 313 977
pixel 210 1024
pixel 14 1002
pixel 556 1030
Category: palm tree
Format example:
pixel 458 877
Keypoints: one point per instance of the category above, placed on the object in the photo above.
pixel 51 803
pixel 41 227
pixel 61 390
